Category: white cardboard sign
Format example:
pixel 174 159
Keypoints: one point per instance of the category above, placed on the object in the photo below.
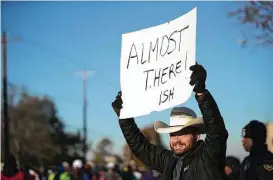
pixel 155 65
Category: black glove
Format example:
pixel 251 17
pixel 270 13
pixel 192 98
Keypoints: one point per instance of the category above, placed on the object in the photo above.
pixel 198 78
pixel 117 104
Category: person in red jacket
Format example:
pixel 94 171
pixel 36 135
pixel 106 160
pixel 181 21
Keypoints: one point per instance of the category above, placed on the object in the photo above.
pixel 10 170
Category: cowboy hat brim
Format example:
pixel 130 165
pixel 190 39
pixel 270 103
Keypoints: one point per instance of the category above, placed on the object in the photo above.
pixel 161 127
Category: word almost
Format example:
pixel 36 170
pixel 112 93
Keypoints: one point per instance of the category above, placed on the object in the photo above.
pixel 162 46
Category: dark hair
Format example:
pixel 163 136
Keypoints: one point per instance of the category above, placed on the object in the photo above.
pixel 10 166
pixel 234 163
pixel 10 161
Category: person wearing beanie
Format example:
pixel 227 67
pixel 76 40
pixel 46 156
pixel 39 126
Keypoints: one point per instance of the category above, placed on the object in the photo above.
pixel 259 164
pixel 232 168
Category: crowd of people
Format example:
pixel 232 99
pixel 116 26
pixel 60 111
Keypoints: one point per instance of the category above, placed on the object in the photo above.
pixel 76 171
pixel 110 171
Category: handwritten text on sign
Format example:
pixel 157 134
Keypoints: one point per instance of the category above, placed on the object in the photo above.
pixel 155 65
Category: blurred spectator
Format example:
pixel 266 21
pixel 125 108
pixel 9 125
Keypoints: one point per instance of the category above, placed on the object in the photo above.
pixel 111 174
pixel 60 170
pixel 88 172
pixel 127 173
pixel 51 174
pixel 10 170
pixel 34 173
pixel 259 163
pixel 101 175
pixel 78 170
pixel 148 175
pixel 95 170
pixel 43 174
pixel 232 168
pixel 136 173
pixel 65 175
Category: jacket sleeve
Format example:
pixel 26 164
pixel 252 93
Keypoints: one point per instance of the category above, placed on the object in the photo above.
pixel 151 155
pixel 216 133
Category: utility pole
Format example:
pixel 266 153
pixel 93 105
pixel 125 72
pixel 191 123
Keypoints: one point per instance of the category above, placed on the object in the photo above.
pixel 4 94
pixel 84 74
pixel 4 41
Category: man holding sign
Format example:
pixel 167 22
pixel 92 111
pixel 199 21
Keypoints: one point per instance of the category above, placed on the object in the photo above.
pixel 190 157
pixel 159 71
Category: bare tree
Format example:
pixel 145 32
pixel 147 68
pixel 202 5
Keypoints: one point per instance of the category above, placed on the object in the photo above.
pixel 105 147
pixel 30 129
pixel 259 15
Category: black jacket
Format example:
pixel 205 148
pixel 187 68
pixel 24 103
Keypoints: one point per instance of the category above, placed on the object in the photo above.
pixel 259 164
pixel 205 162
pixel 258 167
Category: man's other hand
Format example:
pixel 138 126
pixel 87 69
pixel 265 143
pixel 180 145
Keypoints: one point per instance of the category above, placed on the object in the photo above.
pixel 117 104
pixel 198 78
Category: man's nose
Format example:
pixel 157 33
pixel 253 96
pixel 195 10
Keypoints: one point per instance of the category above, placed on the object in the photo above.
pixel 243 140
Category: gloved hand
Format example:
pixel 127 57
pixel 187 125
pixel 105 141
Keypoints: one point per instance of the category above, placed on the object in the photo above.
pixel 117 104
pixel 198 78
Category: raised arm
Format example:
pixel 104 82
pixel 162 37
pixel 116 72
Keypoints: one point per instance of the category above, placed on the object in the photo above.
pixel 216 133
pixel 152 156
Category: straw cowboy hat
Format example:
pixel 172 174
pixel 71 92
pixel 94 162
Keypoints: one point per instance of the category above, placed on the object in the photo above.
pixel 181 117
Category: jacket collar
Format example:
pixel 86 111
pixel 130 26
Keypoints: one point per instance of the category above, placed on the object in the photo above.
pixel 187 157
